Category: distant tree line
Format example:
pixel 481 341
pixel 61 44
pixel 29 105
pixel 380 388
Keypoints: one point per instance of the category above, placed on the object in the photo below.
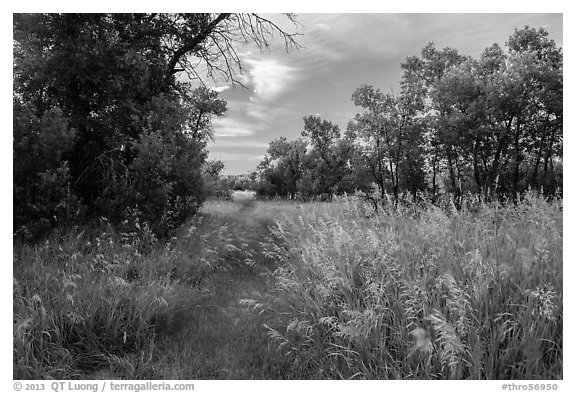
pixel 105 124
pixel 490 126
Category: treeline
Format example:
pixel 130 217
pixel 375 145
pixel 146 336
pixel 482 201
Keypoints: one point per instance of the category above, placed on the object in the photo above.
pixel 223 186
pixel 490 126
pixel 105 125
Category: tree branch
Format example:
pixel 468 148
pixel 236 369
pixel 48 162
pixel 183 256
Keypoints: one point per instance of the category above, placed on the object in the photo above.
pixel 191 45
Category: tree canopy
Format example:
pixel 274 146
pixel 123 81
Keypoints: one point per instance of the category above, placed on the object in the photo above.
pixel 108 115
pixel 490 126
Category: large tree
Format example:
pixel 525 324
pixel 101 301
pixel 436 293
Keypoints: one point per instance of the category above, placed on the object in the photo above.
pixel 389 133
pixel 111 89
pixel 423 75
pixel 504 110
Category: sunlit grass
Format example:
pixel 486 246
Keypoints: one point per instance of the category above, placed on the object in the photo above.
pixel 279 289
pixel 419 292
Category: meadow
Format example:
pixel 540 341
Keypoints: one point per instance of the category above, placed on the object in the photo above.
pixel 287 290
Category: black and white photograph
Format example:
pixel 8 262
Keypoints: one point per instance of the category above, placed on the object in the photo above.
pixel 287 196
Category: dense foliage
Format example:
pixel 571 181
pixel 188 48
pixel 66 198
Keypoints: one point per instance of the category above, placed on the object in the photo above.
pixel 104 123
pixel 490 126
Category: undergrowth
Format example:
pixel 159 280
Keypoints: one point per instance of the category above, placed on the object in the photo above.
pixel 103 299
pixel 413 292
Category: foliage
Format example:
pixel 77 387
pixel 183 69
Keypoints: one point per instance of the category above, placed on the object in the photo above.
pixel 303 169
pixel 496 122
pixel 107 298
pixel 104 93
pixel 490 126
pixel 43 196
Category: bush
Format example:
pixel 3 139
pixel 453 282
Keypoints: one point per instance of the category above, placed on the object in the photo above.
pixel 42 188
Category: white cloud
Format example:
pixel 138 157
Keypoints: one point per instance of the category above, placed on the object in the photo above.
pixel 270 77
pixel 231 127
pixel 257 113
pixel 323 26
pixel 239 143
pixel 224 156
pixel 242 78
pixel 220 89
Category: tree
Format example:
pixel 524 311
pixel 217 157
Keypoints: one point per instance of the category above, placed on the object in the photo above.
pixel 283 167
pixel 490 121
pixel 424 73
pixel 204 103
pixel 390 136
pixel 503 108
pixel 322 134
pixel 318 169
pixel 115 81
pixel 536 63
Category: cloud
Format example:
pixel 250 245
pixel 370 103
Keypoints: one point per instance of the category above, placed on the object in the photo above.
pixel 220 89
pixel 340 37
pixel 232 127
pixel 244 143
pixel 270 77
pixel 267 113
pixel 322 26
pixel 236 156
pixel 255 112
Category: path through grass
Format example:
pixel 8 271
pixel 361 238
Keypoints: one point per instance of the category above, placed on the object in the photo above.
pixel 220 338
pixel 119 305
pixel 281 290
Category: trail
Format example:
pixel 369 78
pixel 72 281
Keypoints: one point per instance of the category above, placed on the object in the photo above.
pixel 222 339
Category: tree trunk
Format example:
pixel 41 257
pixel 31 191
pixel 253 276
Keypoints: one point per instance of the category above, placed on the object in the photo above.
pixel 434 172
pixel 534 175
pixel 451 167
pixel 547 163
pixel 517 159
pixel 475 163
pixel 501 140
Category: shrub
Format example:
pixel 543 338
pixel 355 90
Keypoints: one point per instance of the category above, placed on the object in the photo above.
pixel 43 196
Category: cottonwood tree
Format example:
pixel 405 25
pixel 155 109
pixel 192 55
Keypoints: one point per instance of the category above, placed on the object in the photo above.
pixel 424 73
pixel 493 124
pixel 313 168
pixel 503 110
pixel 283 167
pixel 323 134
pixel 536 65
pixel 389 133
pixel 103 80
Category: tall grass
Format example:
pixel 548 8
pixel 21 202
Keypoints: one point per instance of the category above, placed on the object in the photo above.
pixel 422 293
pixel 407 292
pixel 85 302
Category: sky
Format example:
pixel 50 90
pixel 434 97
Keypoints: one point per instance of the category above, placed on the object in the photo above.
pixel 339 53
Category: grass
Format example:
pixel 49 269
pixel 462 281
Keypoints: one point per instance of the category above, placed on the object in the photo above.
pixel 283 290
pixel 419 293
pixel 117 305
